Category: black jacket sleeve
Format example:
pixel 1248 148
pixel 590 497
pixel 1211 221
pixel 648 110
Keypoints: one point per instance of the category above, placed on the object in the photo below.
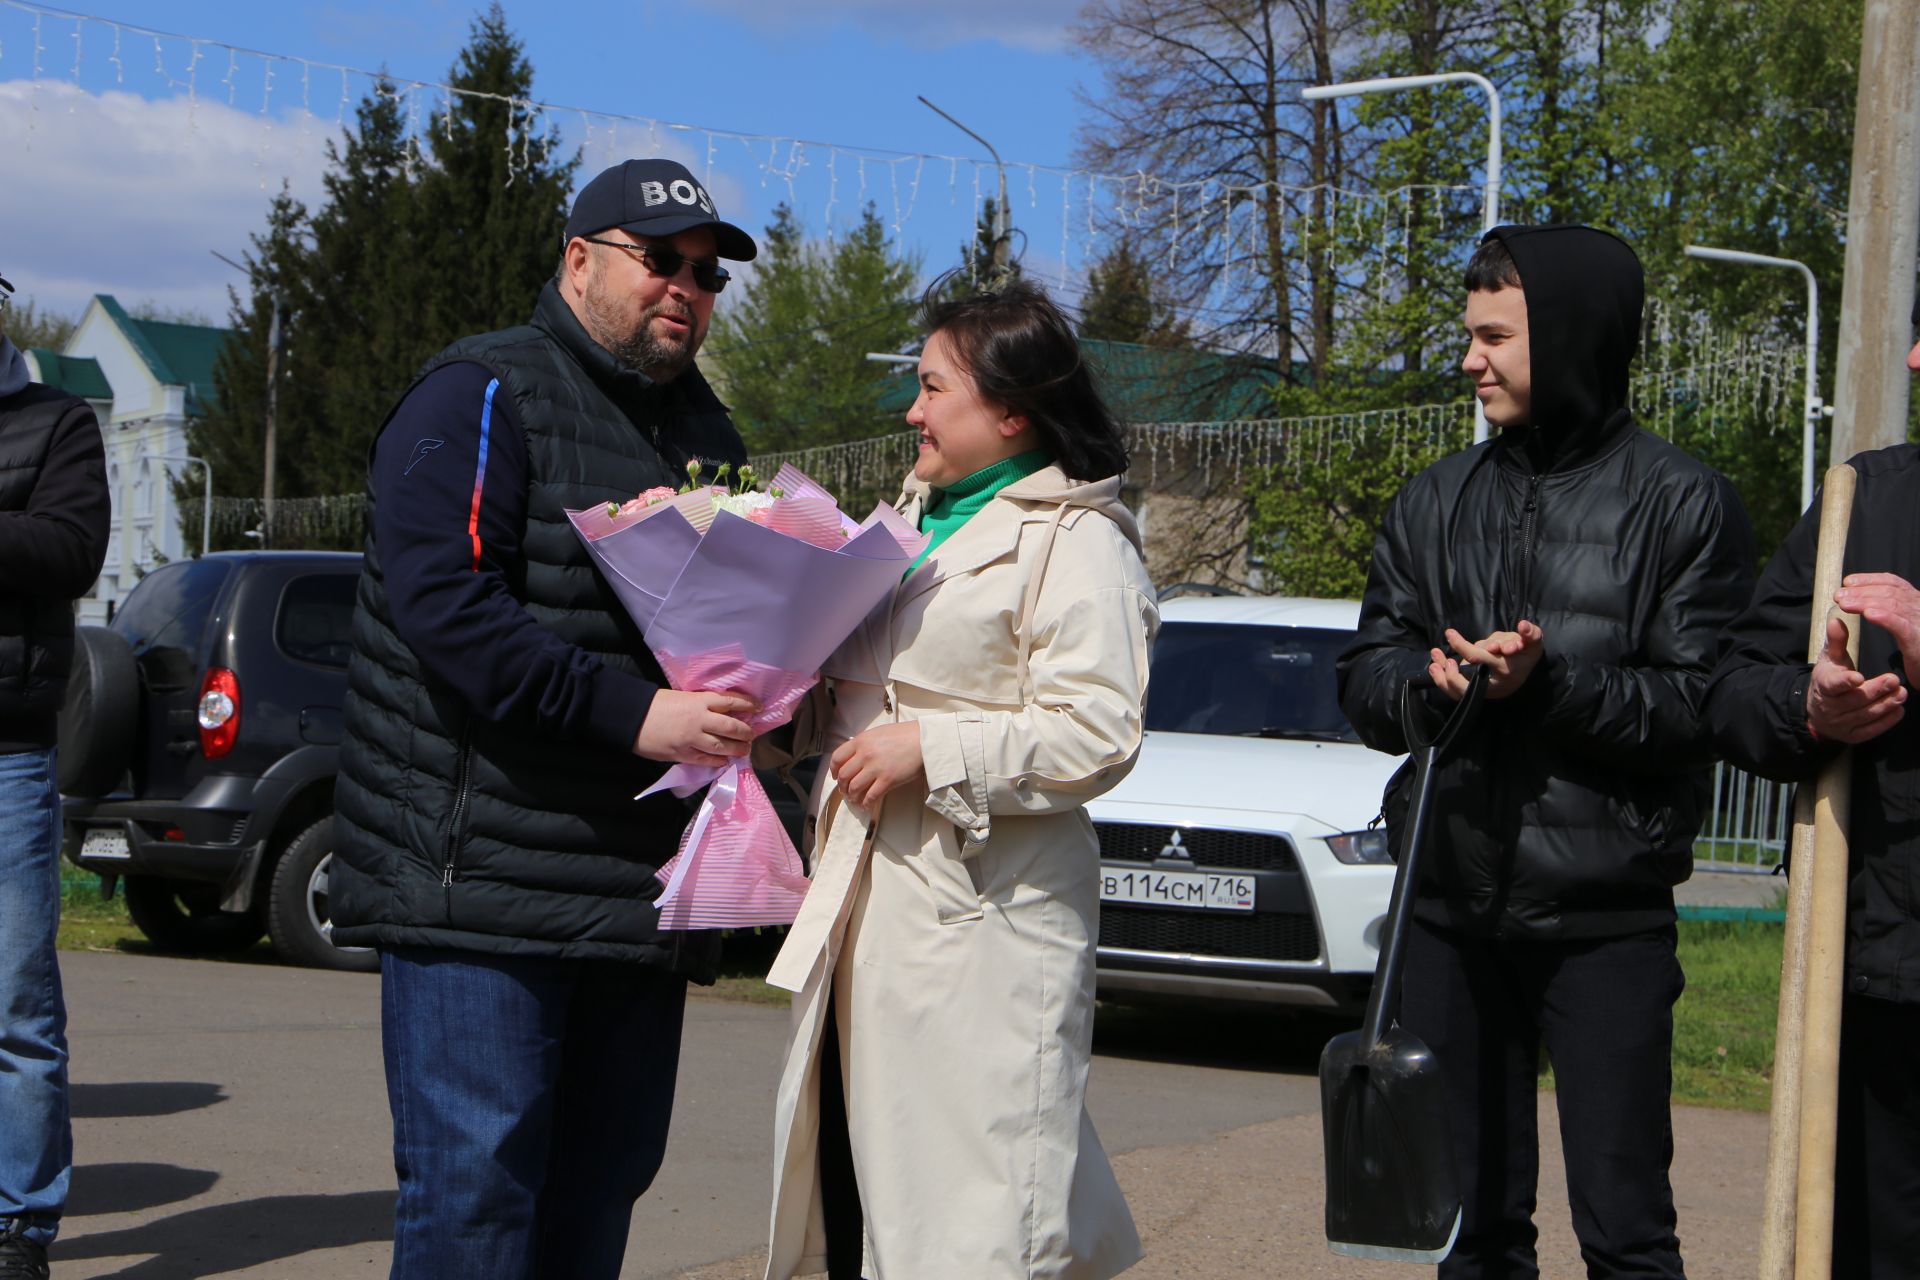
pixel 1757 698
pixel 450 475
pixel 54 546
pixel 1390 649
pixel 1647 717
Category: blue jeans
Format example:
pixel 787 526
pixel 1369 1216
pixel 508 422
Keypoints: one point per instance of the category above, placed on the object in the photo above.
pixel 530 1102
pixel 36 1135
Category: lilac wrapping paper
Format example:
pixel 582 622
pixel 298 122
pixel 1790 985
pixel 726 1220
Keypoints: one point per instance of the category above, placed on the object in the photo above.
pixel 742 607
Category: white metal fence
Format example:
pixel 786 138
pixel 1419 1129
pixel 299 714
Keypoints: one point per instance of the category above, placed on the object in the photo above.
pixel 1747 825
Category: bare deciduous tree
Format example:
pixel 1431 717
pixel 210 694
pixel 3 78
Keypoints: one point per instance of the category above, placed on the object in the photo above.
pixel 1237 173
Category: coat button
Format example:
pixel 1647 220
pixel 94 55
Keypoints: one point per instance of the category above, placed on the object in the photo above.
pixel 1859 982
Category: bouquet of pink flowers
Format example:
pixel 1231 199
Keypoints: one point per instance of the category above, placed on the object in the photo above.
pixel 745 592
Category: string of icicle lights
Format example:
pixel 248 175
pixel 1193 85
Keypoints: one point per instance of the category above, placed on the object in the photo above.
pixel 63 43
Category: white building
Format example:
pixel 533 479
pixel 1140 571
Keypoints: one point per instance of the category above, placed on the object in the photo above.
pixel 145 379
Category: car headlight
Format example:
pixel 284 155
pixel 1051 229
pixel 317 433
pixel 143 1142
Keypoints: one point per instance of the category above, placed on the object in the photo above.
pixel 1361 848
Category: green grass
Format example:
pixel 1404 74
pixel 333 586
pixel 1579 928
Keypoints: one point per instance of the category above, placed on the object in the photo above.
pixel 87 923
pixel 1723 1024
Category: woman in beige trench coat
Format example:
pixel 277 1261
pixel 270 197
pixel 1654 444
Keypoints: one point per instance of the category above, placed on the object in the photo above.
pixel 954 909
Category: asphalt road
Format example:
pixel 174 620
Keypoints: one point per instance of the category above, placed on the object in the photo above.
pixel 231 1120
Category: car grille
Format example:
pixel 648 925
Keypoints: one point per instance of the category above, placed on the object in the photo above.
pixel 1239 850
pixel 1253 937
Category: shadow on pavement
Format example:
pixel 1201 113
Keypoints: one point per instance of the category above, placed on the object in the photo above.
pixel 143 1098
pixel 1235 1038
pixel 229 1237
pixel 125 1188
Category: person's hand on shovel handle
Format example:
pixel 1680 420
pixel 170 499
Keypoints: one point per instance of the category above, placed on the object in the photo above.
pixel 1843 705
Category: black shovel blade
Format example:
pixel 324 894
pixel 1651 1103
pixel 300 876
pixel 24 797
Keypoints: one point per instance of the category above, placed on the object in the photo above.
pixel 1391 1188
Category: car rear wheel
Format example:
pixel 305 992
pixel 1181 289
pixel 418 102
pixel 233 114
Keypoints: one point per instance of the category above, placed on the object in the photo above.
pixel 178 915
pixel 297 906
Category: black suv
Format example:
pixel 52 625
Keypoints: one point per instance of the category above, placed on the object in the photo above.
pixel 198 748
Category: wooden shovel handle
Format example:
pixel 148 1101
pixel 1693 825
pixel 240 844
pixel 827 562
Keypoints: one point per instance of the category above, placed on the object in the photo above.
pixel 1801 1126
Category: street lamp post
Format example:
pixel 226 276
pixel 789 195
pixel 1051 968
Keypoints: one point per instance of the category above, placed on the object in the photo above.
pixel 1002 215
pixel 1490 204
pixel 1814 410
pixel 206 503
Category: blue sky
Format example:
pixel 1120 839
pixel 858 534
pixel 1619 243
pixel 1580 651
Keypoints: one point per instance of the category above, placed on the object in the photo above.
pixel 122 175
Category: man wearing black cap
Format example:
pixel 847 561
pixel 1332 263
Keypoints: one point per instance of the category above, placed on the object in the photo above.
pixel 1777 715
pixel 502 713
pixel 53 537
pixel 1589 566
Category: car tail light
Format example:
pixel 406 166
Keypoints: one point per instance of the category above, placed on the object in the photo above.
pixel 219 712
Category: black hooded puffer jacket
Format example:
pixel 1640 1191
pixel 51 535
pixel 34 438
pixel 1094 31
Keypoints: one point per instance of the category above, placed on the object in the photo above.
pixel 1570 809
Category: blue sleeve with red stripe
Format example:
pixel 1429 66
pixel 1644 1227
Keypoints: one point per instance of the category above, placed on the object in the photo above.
pixel 449 476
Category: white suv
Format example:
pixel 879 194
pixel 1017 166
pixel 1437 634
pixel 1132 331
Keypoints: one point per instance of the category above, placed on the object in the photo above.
pixel 1237 861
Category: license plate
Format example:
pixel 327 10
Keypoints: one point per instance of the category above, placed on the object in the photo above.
pixel 1206 890
pixel 105 842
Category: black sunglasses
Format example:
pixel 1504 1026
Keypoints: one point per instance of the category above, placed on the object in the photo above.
pixel 664 261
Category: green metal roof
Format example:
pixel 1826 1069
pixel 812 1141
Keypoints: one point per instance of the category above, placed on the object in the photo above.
pixel 178 355
pixel 1152 384
pixel 76 375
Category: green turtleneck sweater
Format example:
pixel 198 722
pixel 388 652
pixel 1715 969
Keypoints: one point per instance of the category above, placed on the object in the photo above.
pixel 947 509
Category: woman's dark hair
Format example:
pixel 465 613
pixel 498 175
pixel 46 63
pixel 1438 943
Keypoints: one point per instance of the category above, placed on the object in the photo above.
pixel 1022 353
pixel 1491 268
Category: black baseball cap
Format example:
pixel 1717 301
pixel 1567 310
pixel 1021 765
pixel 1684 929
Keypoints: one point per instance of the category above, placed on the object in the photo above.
pixel 653 198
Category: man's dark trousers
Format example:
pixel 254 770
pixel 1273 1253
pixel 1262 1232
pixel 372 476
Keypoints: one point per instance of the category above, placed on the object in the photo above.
pixel 531 1098
pixel 1603 1009
pixel 1876 1194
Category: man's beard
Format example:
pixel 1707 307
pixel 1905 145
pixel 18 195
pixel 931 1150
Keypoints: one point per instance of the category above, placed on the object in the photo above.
pixel 643 350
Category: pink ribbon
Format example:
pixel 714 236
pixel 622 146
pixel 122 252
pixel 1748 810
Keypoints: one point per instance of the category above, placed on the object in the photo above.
pixel 736 867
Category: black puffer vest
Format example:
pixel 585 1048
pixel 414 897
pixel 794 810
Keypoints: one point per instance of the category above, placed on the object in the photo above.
pixel 453 831
pixel 36 631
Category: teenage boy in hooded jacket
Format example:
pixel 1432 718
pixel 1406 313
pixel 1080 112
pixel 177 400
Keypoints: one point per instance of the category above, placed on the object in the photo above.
pixel 1588 566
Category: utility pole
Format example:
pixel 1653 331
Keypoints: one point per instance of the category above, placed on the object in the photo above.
pixel 272 423
pixel 1002 214
pixel 1883 225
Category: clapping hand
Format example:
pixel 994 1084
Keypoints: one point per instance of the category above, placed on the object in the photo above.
pixel 1508 656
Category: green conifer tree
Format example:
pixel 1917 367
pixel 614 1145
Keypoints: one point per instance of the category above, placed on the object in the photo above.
pixel 790 350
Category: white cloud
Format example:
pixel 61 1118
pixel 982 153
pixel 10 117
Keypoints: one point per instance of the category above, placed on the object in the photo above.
pixel 1040 25
pixel 113 193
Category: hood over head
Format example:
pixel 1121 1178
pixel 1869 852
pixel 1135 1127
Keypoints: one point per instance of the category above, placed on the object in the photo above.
pixel 1584 291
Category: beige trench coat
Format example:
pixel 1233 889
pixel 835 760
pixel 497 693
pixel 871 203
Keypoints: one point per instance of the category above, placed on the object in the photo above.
pixel 956 933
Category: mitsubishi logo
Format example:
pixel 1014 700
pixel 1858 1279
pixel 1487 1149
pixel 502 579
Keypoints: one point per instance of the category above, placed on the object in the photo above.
pixel 1174 850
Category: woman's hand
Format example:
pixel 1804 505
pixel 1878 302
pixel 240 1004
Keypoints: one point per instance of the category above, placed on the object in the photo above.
pixel 880 760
